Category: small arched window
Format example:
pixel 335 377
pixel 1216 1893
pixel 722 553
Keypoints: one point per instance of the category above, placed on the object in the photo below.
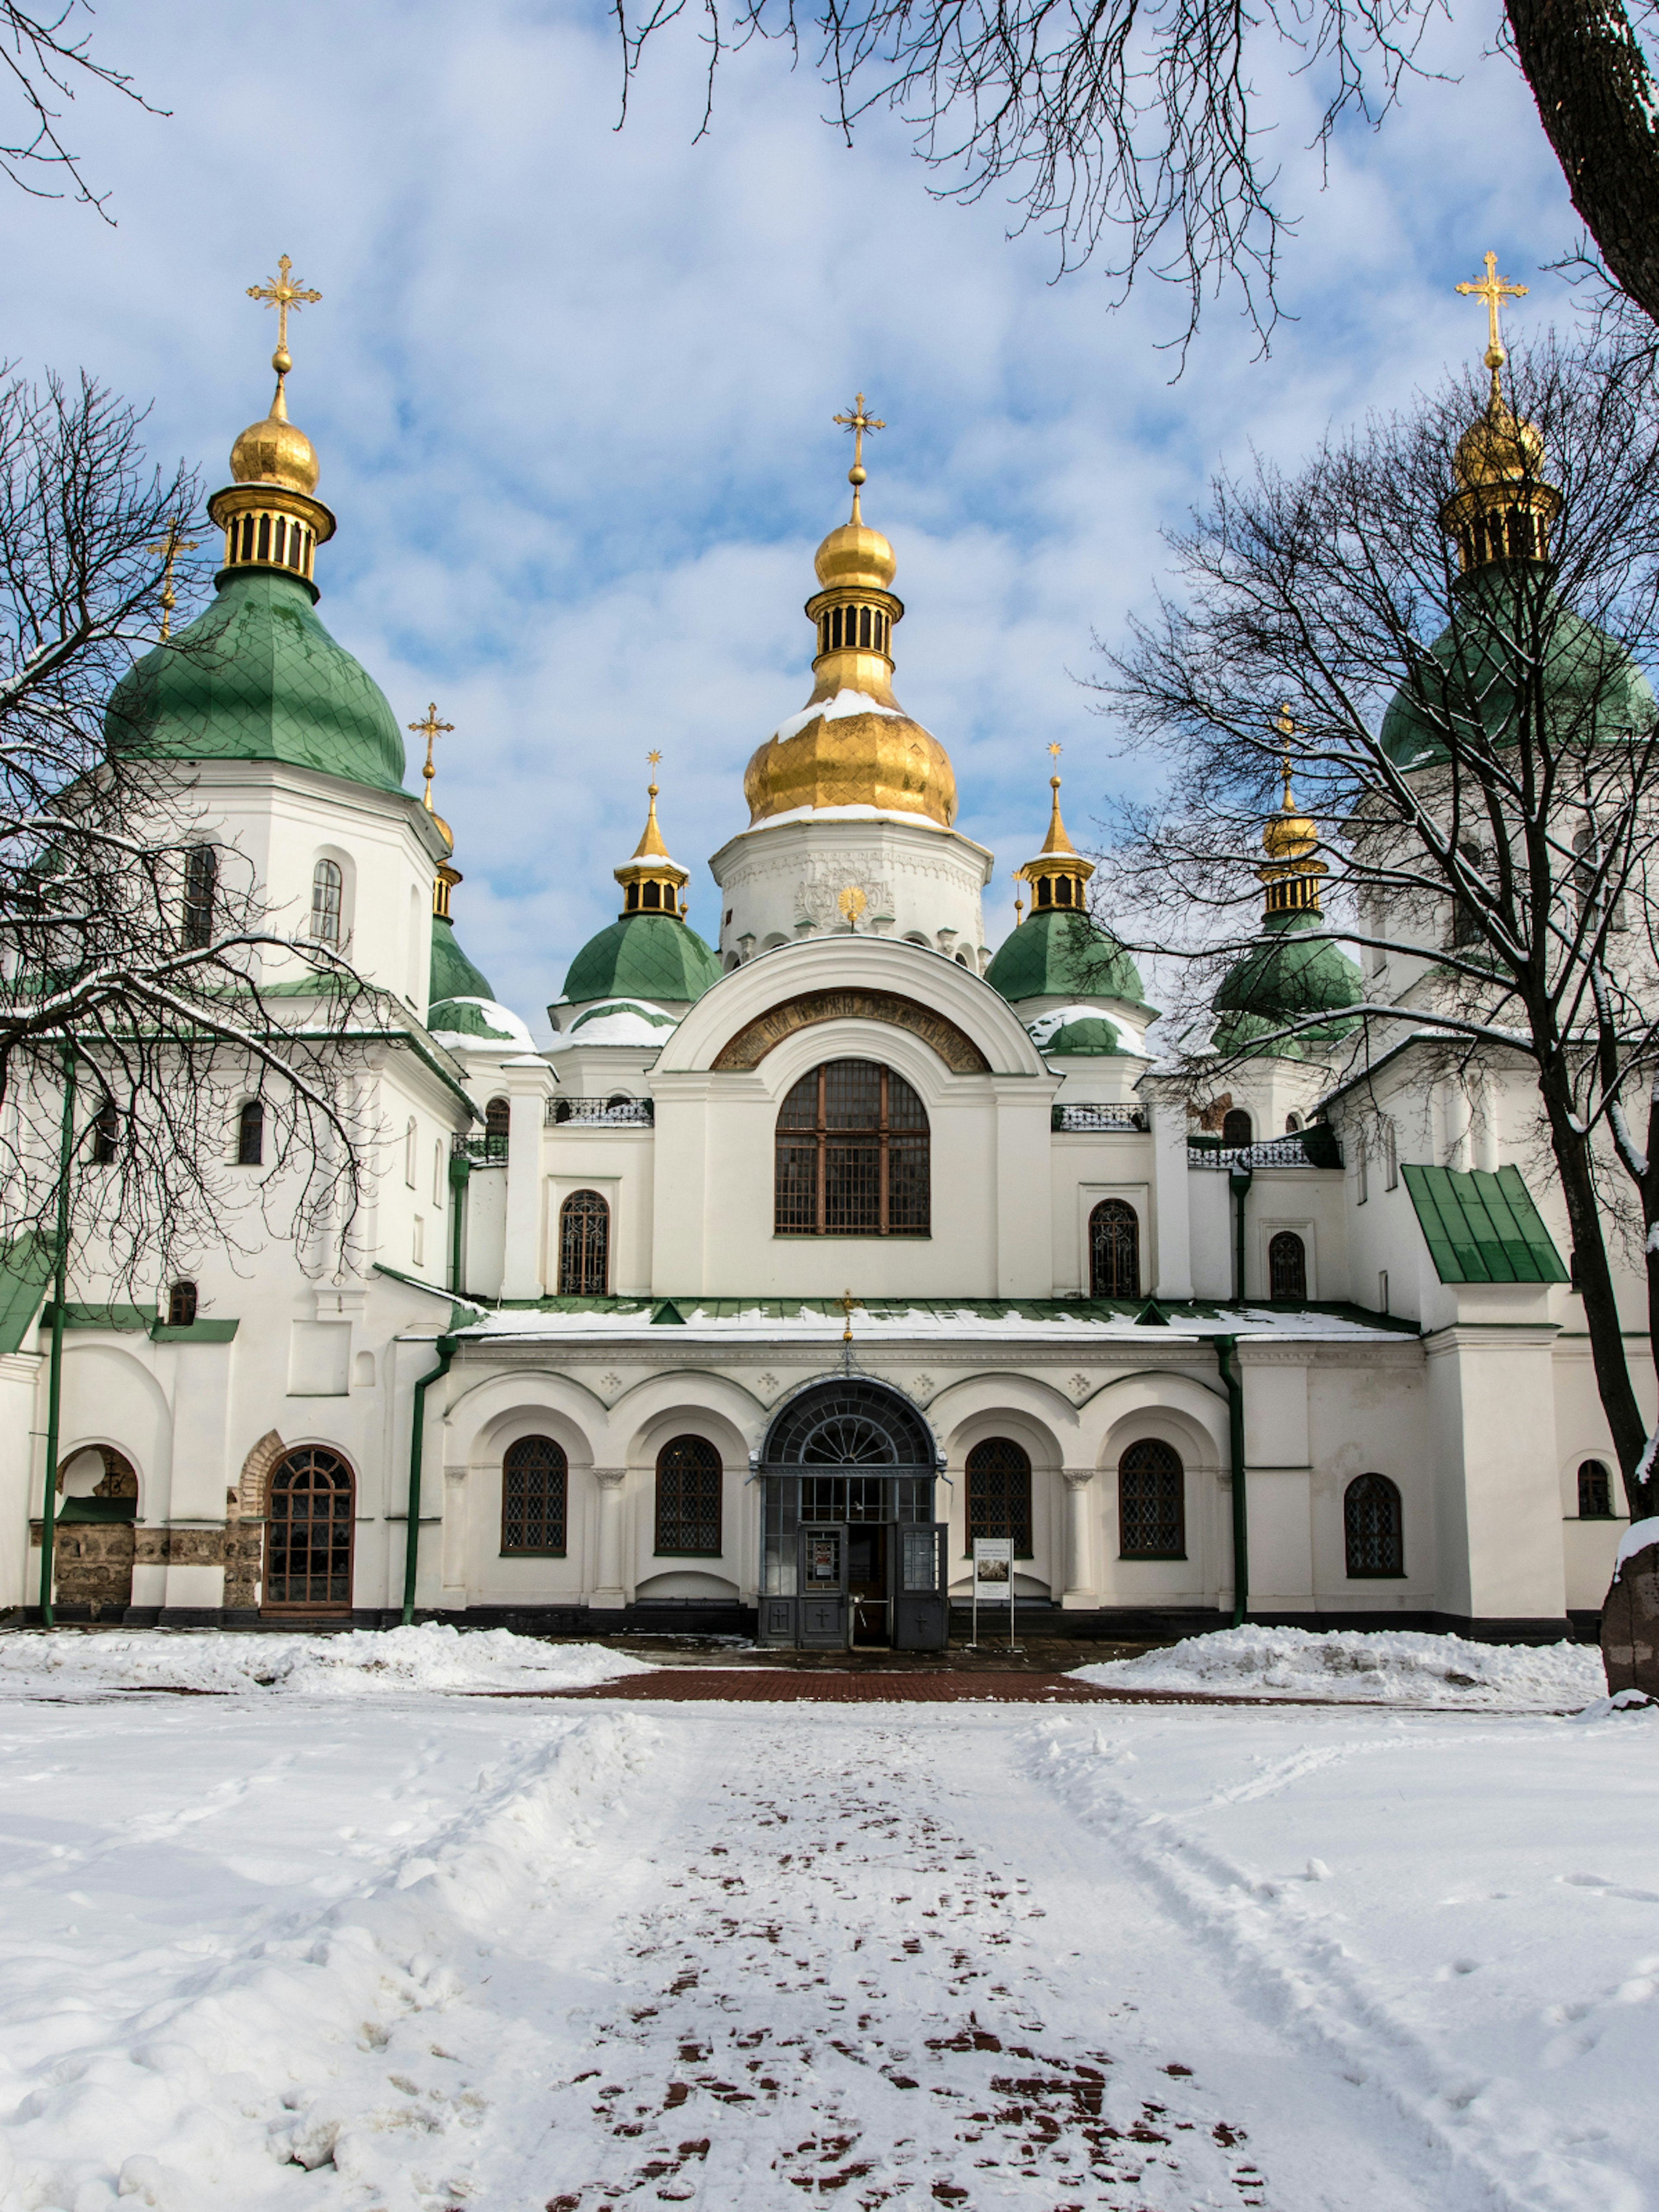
pixel 1292 1124
pixel 688 1499
pixel 327 885
pixel 1287 1266
pixel 498 1121
pixel 1595 1491
pixel 1374 1527
pixel 535 1487
pixel 250 1134
pixel 200 886
pixel 1236 1128
pixel 584 1246
pixel 106 1134
pixel 181 1305
pixel 1151 1501
pixel 438 1192
pixel 1114 1250
pixel 1000 1493
pixel 852 1155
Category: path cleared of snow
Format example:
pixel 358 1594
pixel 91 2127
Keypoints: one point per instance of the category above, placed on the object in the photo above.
pixel 1390 1666
pixel 430 1656
pixel 423 1953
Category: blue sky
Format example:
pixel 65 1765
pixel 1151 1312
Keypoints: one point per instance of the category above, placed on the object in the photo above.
pixel 572 389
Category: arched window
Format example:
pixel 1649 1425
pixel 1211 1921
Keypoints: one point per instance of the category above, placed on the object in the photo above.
pixel 852 1155
pixel 1236 1128
pixel 250 1135
pixel 181 1305
pixel 584 1245
pixel 1373 1528
pixel 535 1489
pixel 1152 1502
pixel 1000 1493
pixel 850 1423
pixel 1287 1266
pixel 1595 1491
pixel 1292 1123
pixel 411 1135
pixel 326 884
pixel 309 1535
pixel 1114 1250
pixel 201 885
pixel 498 1119
pixel 106 1134
pixel 688 1499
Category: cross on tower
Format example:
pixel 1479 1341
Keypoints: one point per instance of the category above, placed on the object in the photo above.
pixel 281 294
pixel 432 729
pixel 1285 726
pixel 858 423
pixel 1494 291
pixel 170 547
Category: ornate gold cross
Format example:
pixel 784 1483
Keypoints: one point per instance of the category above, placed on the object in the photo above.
pixel 851 903
pixel 858 423
pixel 1056 750
pixel 1285 726
pixel 282 294
pixel 1494 292
pixel 431 729
pixel 170 547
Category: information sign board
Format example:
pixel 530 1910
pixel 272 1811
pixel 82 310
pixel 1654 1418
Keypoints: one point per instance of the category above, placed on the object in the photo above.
pixel 994 1574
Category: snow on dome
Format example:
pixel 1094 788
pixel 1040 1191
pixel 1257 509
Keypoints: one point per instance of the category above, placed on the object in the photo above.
pixel 618 1021
pixel 478 1025
pixel 832 710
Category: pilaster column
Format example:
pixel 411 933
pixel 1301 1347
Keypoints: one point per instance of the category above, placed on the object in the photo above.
pixel 529 1084
pixel 1079 1568
pixel 1171 1210
pixel 608 1585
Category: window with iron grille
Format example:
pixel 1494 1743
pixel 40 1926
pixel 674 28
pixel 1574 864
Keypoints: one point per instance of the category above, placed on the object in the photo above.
pixel 1595 1491
pixel 535 1482
pixel 584 1245
pixel 1114 1250
pixel 326 882
pixel 1000 1493
pixel 1287 1266
pixel 251 1135
pixel 852 1155
pixel 1151 1501
pixel 181 1305
pixel 1236 1128
pixel 201 884
pixel 308 1533
pixel 1374 1527
pixel 688 1499
pixel 498 1122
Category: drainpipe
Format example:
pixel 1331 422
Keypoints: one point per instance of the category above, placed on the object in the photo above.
pixel 1238 1181
pixel 1226 1348
pixel 446 1348
pixel 460 1170
pixel 55 1366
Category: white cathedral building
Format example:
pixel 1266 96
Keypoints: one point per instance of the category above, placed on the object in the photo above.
pixel 799 1261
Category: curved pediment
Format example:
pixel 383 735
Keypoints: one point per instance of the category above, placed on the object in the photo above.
pixel 752 1043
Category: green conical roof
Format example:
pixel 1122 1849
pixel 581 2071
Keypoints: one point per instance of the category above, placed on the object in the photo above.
pixel 1056 955
pixel 1294 970
pixel 1589 679
pixel 1093 1034
pixel 257 678
pixel 452 974
pixel 643 956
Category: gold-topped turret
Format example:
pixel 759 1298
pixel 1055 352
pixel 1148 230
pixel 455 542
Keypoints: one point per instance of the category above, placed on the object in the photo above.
pixel 448 875
pixel 863 750
pixel 1291 839
pixel 1059 872
pixel 652 882
pixel 1502 510
pixel 268 512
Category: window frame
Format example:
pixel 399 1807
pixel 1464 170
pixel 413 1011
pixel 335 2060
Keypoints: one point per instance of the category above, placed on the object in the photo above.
pixel 665 1551
pixel 1095 1210
pixel 1362 1574
pixel 201 896
pixel 976 1522
pixel 337 935
pixel 1278 1238
pixel 1152 1444
pixel 182 1302
pixel 1597 1468
pixel 250 1116
pixel 601 1210
pixel 882 1138
pixel 562 1473
pixel 1236 1114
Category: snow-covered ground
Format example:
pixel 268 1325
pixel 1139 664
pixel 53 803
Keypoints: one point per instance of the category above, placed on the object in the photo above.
pixel 1390 1667
pixel 424 1951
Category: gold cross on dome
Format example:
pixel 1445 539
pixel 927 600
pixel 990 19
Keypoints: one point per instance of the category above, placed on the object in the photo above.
pixel 858 423
pixel 281 294
pixel 1285 726
pixel 1495 290
pixel 170 547
pixel 1056 750
pixel 431 729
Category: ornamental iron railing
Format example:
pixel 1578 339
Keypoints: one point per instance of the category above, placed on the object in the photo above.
pixel 490 1146
pixel 1075 1119
pixel 615 1113
pixel 1314 1147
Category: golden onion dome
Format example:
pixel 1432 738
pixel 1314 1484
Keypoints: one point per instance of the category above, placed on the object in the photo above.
pixel 1289 835
pixel 1497 447
pixel 276 452
pixel 856 554
pixel 864 758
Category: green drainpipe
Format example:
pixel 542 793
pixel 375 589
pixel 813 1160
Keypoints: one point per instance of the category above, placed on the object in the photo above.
pixel 460 1169
pixel 1238 1181
pixel 1226 1348
pixel 55 1365
pixel 416 1440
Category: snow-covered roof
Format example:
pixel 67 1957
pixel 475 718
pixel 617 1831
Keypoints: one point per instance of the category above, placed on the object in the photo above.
pixel 834 710
pixel 617 1021
pixel 491 1026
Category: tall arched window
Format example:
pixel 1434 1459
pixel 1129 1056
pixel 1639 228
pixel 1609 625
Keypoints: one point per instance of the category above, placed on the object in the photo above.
pixel 535 1490
pixel 327 885
pixel 1287 1266
pixel 1374 1527
pixel 105 1134
pixel 688 1500
pixel 498 1122
pixel 1595 1491
pixel 181 1305
pixel 584 1246
pixel 1152 1502
pixel 250 1135
pixel 1114 1250
pixel 852 1155
pixel 1236 1128
pixel 308 1536
pixel 1000 1493
pixel 201 885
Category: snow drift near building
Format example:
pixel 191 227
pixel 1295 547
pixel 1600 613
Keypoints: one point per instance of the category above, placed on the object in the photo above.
pixel 1387 1666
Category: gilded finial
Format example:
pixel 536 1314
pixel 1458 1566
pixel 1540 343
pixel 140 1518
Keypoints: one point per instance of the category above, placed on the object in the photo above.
pixel 849 1305
pixel 1285 726
pixel 1019 903
pixel 858 423
pixel 1494 291
pixel 280 293
pixel 170 547
pixel 431 729
pixel 850 903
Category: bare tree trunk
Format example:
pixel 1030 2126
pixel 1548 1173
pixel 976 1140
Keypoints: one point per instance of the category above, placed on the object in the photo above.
pixel 1596 101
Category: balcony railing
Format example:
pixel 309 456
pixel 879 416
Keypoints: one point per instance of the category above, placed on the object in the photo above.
pixel 492 1146
pixel 1314 1147
pixel 601 1112
pixel 1078 1118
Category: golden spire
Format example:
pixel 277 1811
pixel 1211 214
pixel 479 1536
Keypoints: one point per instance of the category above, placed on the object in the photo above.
pixel 1289 840
pixel 858 423
pixel 1502 511
pixel 170 546
pixel 280 294
pixel 270 514
pixel 1494 291
pixel 432 729
pixel 1059 872
pixel 651 880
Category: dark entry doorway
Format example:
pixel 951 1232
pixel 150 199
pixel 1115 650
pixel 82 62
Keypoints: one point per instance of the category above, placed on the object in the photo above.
pixel 866 1585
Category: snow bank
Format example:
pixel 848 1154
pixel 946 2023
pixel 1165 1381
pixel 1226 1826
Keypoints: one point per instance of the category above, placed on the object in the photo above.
pixel 1387 1666
pixel 1636 1538
pixel 429 1657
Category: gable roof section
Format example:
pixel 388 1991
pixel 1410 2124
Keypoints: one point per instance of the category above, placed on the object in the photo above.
pixel 1482 1227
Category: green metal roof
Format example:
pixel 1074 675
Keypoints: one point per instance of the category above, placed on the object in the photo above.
pixel 1482 1227
pixel 25 1271
pixel 643 956
pixel 450 974
pixel 1295 970
pixel 1152 1313
pixel 1057 955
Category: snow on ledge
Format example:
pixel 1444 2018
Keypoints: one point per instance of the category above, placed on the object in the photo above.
pixel 1383 1666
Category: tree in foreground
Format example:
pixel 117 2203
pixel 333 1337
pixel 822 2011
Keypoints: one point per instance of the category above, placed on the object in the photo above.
pixel 1456 613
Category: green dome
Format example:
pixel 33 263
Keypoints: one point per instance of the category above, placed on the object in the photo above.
pixel 643 956
pixel 257 678
pixel 1586 674
pixel 463 1018
pixel 1094 1034
pixel 1054 955
pixel 452 974
pixel 1294 970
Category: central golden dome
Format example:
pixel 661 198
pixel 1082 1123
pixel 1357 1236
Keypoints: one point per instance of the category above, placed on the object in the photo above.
pixel 1497 447
pixel 274 452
